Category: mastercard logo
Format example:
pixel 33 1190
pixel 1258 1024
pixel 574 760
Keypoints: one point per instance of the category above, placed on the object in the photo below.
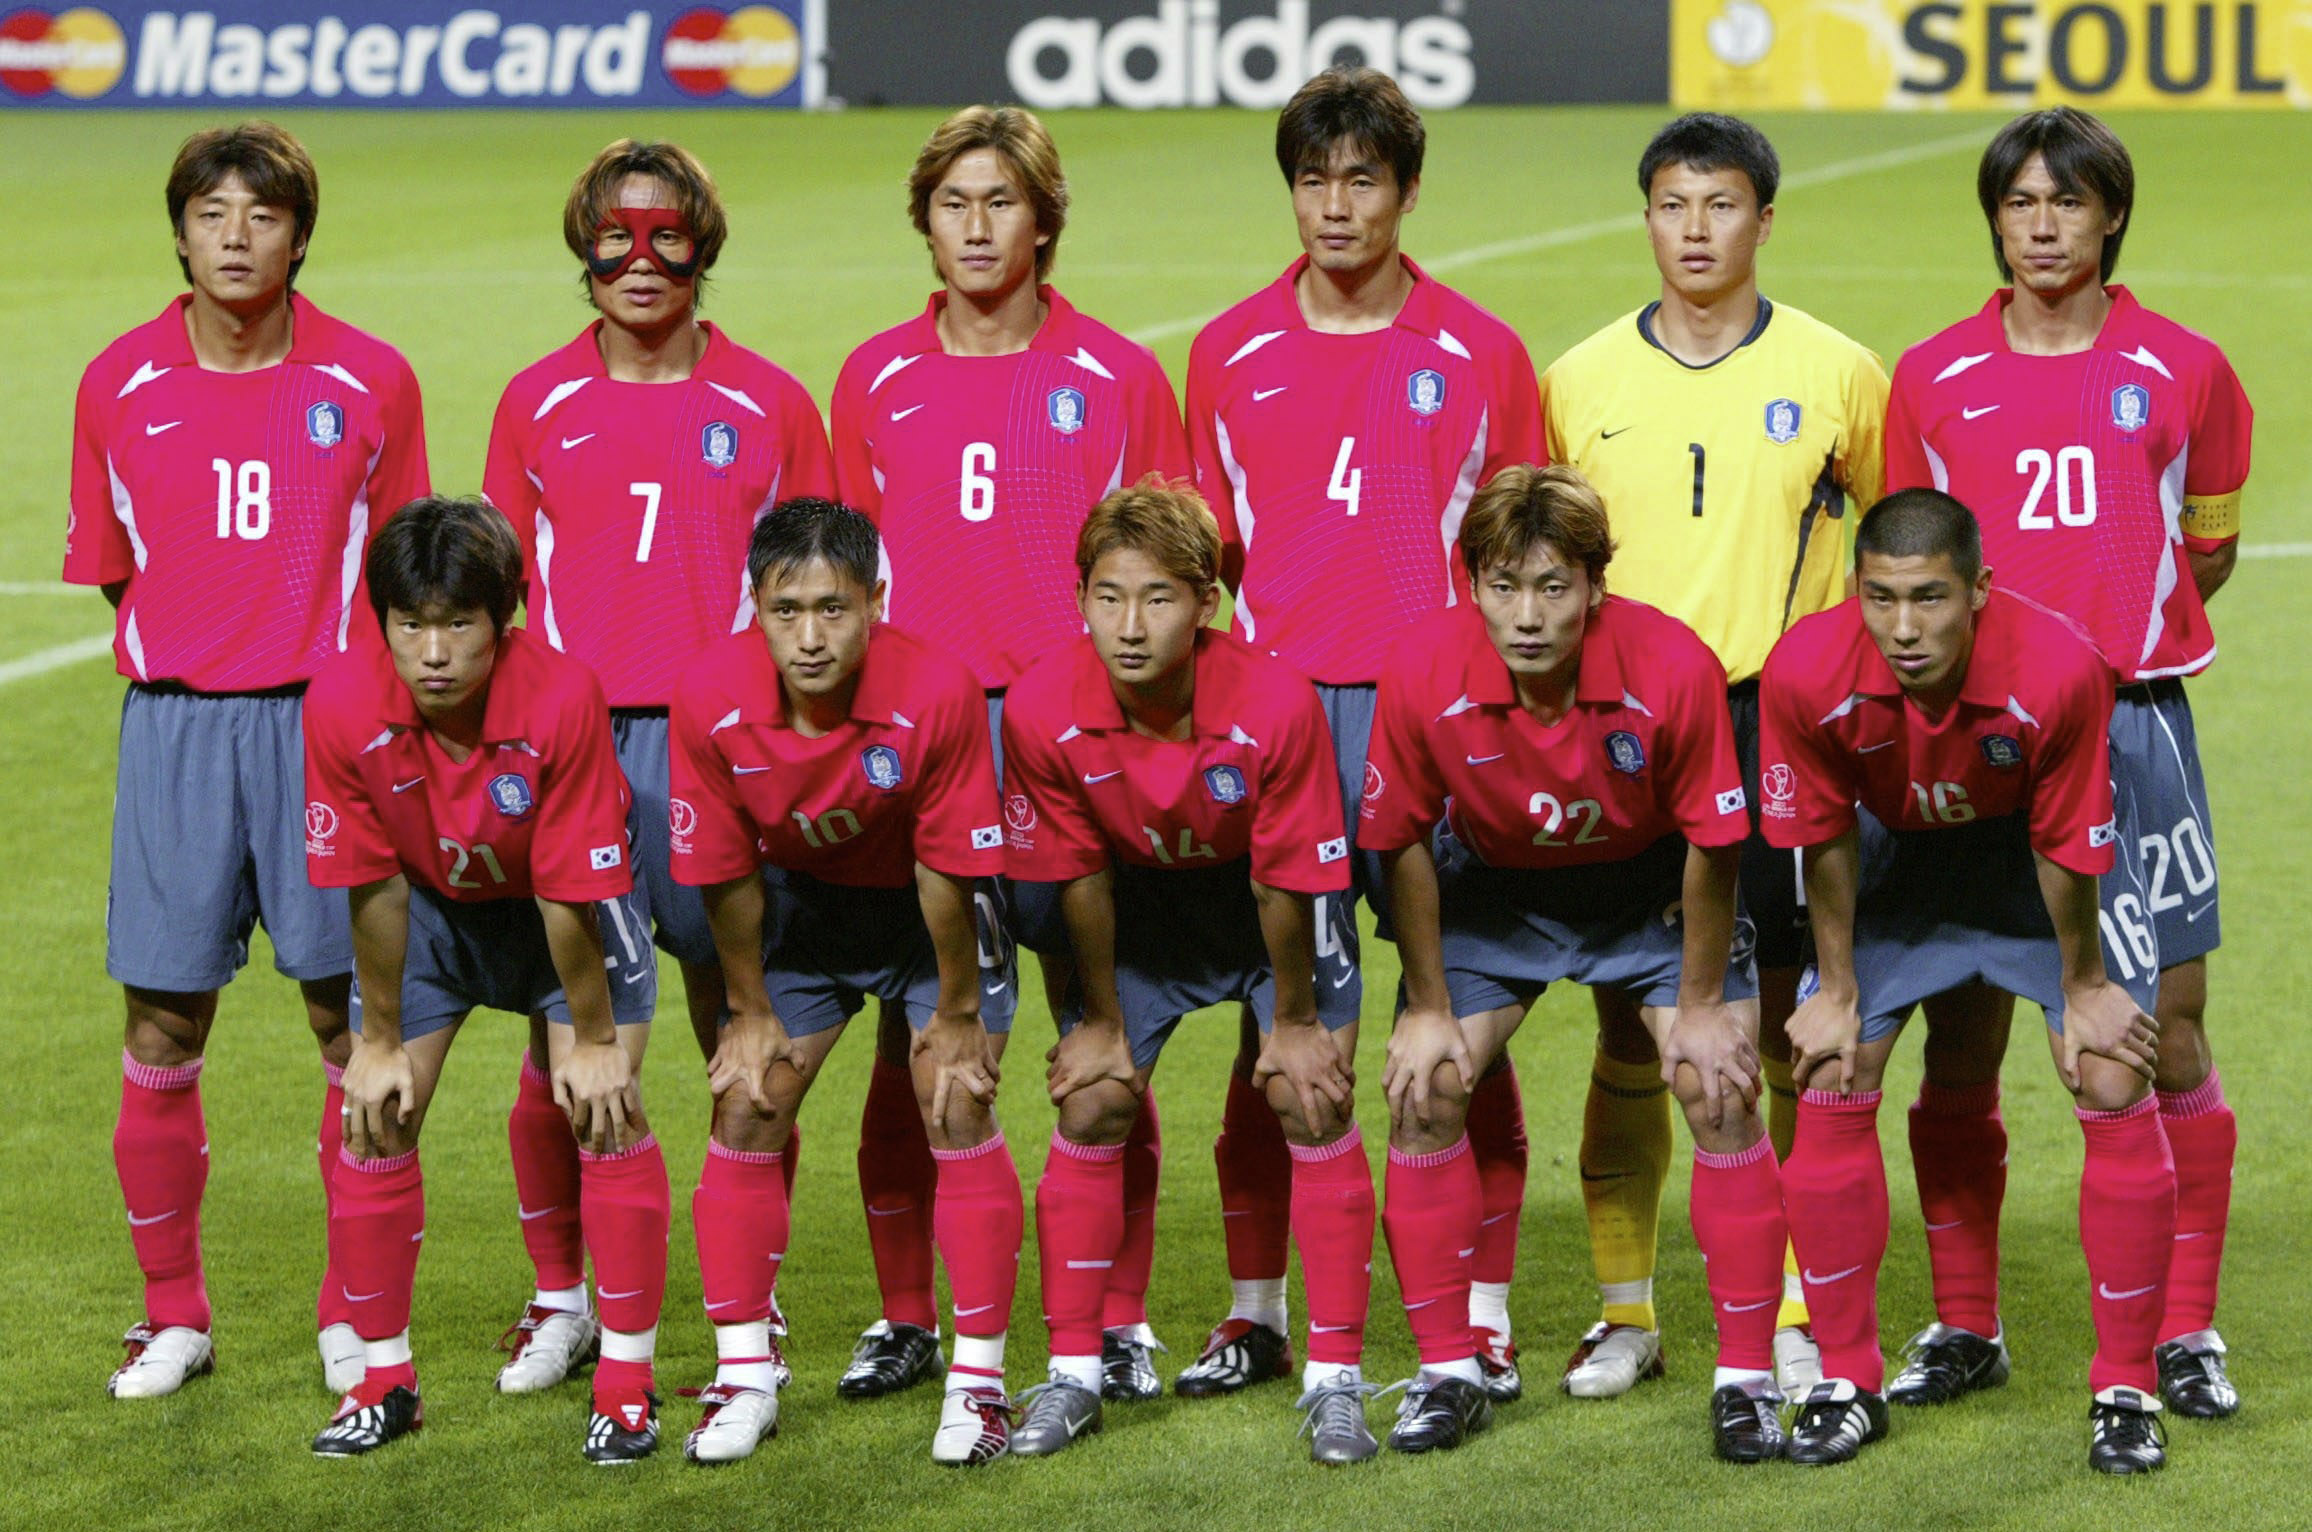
pixel 752 51
pixel 78 53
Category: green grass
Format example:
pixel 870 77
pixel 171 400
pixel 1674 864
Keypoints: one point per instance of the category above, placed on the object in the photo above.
pixel 441 233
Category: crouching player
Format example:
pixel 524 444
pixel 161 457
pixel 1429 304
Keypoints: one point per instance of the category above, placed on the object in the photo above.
pixel 462 785
pixel 1173 813
pixel 1578 749
pixel 1970 727
pixel 834 794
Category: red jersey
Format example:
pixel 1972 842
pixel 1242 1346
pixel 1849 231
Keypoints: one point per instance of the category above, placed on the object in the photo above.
pixel 909 777
pixel 979 471
pixel 2028 735
pixel 238 505
pixel 1254 778
pixel 1340 465
pixel 537 810
pixel 634 501
pixel 1647 748
pixel 2092 473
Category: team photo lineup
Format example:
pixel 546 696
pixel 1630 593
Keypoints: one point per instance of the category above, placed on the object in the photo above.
pixel 1771 694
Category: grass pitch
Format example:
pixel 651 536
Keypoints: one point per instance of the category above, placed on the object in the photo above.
pixel 441 232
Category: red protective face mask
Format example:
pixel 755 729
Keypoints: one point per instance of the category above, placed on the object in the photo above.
pixel 643 223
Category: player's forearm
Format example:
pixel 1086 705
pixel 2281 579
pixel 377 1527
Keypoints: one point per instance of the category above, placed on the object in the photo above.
pixel 1288 927
pixel 948 912
pixel 1415 910
pixel 1833 873
pixel 1088 913
pixel 380 946
pixel 1706 906
pixel 734 912
pixel 574 942
pixel 2211 569
pixel 2072 906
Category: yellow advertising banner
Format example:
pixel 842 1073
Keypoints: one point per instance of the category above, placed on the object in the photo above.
pixel 1958 54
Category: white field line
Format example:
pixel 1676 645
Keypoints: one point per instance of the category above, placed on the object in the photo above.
pixel 43 588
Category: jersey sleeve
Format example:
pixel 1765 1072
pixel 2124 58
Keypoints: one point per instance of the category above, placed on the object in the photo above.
pixel 1513 395
pixel 1212 481
pixel 1703 779
pixel 579 851
pixel 809 467
pixel 96 545
pixel 1861 468
pixel 1157 442
pixel 854 455
pixel 506 481
pixel 2071 813
pixel 2218 467
pixel 401 473
pixel 1297 839
pixel 712 837
pixel 1404 794
pixel 1807 781
pixel 1051 834
pixel 346 844
pixel 1905 450
pixel 957 830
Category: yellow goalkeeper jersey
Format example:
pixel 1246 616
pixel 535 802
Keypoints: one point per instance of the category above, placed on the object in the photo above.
pixel 1731 487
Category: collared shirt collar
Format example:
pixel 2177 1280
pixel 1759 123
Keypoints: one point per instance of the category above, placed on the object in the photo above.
pixel 1486 679
pixel 1211 714
pixel 1056 333
pixel 1282 308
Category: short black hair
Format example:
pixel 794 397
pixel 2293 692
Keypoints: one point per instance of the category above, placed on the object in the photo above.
pixel 1713 141
pixel 2081 154
pixel 1357 107
pixel 804 528
pixel 446 553
pixel 1921 523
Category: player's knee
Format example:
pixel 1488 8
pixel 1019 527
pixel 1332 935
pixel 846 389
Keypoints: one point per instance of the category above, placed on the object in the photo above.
pixel 740 1124
pixel 1329 1123
pixel 2106 1085
pixel 167 1030
pixel 1442 1125
pixel 1099 1113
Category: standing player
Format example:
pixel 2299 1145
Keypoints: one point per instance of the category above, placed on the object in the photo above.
pixel 462 787
pixel 1729 432
pixel 1969 726
pixel 851 761
pixel 2105 448
pixel 1577 749
pixel 1341 418
pixel 228 458
pixel 633 463
pixel 976 434
pixel 1173 818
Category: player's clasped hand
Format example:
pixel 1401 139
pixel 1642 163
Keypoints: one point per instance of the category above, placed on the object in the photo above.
pixel 378 1083
pixel 1422 1041
pixel 595 1085
pixel 961 1059
pixel 1093 1051
pixel 2105 1020
pixel 1304 1054
pixel 1714 1044
pixel 1825 1032
pixel 743 1057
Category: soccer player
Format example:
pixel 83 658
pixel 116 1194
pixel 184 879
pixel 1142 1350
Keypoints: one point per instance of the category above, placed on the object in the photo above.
pixel 976 435
pixel 1577 749
pixel 2104 448
pixel 633 463
pixel 1173 817
pixel 228 458
pixel 1341 417
pixel 1937 748
pixel 852 762
pixel 462 786
pixel 1729 432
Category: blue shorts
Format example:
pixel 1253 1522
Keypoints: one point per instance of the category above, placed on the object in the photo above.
pixel 1349 715
pixel 2162 910
pixel 827 947
pixel 1190 939
pixel 1511 932
pixel 1769 877
pixel 1942 908
pixel 208 839
pixel 494 954
pixel 676 910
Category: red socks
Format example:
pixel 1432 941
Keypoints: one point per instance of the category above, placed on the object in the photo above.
pixel 545 1155
pixel 376 1223
pixel 160 1148
pixel 1332 1222
pixel 626 1208
pixel 1127 1302
pixel 329 1305
pixel 2202 1136
pixel 740 1214
pixel 1079 1227
pixel 1737 1207
pixel 2127 1221
pixel 1497 1143
pixel 1255 1183
pixel 1835 1188
pixel 1959 1158
pixel 897 1180
pixel 978 1218
pixel 1434 1207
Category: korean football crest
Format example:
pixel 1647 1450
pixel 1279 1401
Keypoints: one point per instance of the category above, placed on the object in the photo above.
pixel 1624 754
pixel 511 795
pixel 1225 783
pixel 2003 751
pixel 325 424
pixel 1782 417
pixel 719 444
pixel 1425 391
pixel 2131 406
pixel 1064 408
pixel 881 764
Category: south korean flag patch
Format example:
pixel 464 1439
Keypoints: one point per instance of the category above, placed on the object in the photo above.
pixel 987 838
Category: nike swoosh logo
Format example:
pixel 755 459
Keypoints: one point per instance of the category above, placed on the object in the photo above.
pixel 1982 409
pixel 1937 1228
pixel 1479 760
pixel 1076 1424
pixel 1607 436
pixel 1748 1308
pixel 1415 1308
pixel 615 1297
pixel 967 1313
pixel 529 1216
pixel 747 771
pixel 636 977
pixel 1836 1276
pixel 354 1297
pixel 166 425
pixel 2103 1290
pixel 2194 914
pixel 2194 1234
pixel 875 1212
pixel 1868 749
pixel 571 441
pixel 1496 1218
pixel 1463 1255
pixel 403 787
pixel 726 1303
pixel 899 415
pixel 135 1222
pixel 1259 394
pixel 1090 780
pixel 1317 1329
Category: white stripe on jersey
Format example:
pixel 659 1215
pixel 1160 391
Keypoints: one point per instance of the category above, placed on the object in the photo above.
pixel 1457 505
pixel 1252 345
pixel 737 396
pixel 557 394
pixel 546 578
pixel 2171 515
pixel 1235 471
pixel 356 545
